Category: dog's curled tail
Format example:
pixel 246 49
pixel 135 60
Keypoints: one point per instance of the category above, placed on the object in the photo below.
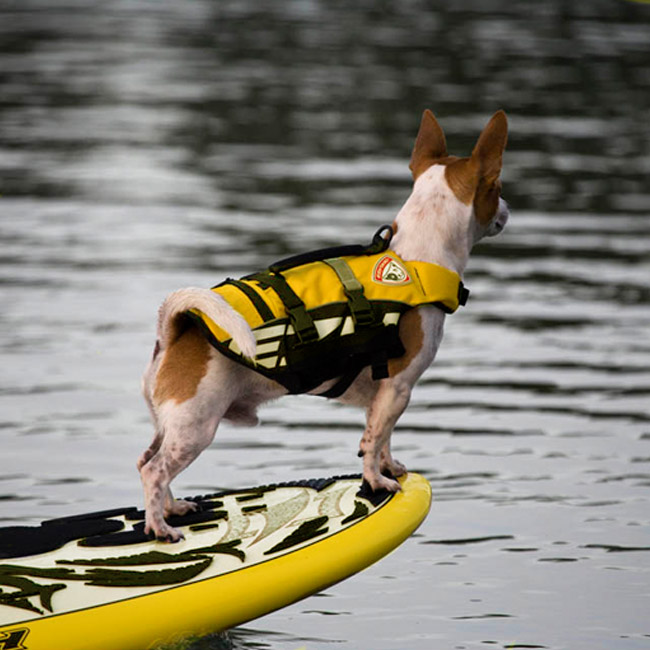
pixel 214 307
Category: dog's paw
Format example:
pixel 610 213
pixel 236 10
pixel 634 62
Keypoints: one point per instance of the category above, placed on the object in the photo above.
pixel 380 482
pixel 164 533
pixel 180 507
pixel 171 537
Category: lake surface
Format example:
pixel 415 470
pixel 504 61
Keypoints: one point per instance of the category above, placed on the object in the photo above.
pixel 146 146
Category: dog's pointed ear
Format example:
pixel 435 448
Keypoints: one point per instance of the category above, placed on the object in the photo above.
pixel 490 146
pixel 429 144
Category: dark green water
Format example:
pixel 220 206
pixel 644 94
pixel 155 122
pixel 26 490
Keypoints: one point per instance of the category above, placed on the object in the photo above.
pixel 146 146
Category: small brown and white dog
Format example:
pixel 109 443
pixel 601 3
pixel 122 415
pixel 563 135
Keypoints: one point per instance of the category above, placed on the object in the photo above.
pixel 190 387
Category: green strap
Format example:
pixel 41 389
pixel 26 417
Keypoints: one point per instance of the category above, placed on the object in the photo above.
pixel 360 307
pixel 302 322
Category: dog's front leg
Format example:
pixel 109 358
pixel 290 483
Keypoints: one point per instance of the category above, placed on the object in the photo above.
pixel 388 464
pixel 389 402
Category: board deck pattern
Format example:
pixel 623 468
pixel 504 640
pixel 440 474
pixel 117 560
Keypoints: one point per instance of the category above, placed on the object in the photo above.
pixel 43 568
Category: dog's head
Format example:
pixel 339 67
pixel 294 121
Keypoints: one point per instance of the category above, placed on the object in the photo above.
pixel 473 182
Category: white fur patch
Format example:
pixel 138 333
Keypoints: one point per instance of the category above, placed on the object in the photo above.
pixel 434 225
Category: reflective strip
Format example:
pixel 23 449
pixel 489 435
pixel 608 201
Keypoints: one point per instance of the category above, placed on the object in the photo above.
pixel 271 332
pixel 326 326
pixel 262 348
pixel 269 362
pixel 265 348
pixel 348 327
pixel 391 318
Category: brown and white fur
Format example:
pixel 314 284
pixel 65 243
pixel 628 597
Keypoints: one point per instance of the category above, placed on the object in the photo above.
pixel 190 387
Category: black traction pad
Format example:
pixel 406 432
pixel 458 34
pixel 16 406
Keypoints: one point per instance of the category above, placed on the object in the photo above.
pixel 100 529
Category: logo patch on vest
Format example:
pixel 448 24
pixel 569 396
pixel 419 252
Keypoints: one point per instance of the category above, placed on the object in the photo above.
pixel 390 271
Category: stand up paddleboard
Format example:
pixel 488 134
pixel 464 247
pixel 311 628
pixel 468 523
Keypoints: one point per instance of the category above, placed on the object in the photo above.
pixel 97 582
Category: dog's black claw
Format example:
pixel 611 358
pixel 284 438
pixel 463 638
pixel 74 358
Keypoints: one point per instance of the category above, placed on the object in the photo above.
pixel 169 539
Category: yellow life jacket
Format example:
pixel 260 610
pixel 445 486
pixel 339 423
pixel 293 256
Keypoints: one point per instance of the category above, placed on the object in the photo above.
pixel 320 315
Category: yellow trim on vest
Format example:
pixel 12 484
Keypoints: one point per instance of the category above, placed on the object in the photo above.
pixel 316 284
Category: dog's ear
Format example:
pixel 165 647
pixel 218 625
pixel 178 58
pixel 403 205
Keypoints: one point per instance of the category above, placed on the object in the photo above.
pixel 489 148
pixel 429 144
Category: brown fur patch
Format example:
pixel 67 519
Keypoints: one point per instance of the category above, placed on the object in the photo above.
pixel 429 146
pixel 486 201
pixel 488 153
pixel 490 146
pixel 462 177
pixel 412 336
pixel 423 163
pixel 182 368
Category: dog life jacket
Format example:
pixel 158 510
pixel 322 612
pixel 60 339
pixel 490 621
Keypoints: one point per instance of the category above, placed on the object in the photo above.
pixel 329 313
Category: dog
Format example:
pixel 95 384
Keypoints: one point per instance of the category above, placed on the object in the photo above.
pixel 190 386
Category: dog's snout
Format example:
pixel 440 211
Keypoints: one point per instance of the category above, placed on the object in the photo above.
pixel 500 219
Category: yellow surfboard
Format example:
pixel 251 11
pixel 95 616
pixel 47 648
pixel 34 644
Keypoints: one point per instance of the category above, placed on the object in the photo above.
pixel 96 581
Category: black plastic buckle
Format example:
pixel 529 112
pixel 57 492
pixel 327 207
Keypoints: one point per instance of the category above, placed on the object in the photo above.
pixel 360 308
pixel 463 294
pixel 302 324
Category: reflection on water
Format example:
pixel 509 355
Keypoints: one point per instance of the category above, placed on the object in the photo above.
pixel 265 107
pixel 151 145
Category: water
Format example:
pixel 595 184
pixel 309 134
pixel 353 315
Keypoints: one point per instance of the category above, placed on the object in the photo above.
pixel 148 146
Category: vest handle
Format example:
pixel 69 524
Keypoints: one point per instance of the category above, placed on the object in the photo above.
pixel 378 244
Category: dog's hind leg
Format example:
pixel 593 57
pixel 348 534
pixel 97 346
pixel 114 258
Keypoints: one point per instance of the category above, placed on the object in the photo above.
pixel 148 382
pixel 177 507
pixel 187 435
pixel 148 453
pixel 171 505
pixel 193 389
